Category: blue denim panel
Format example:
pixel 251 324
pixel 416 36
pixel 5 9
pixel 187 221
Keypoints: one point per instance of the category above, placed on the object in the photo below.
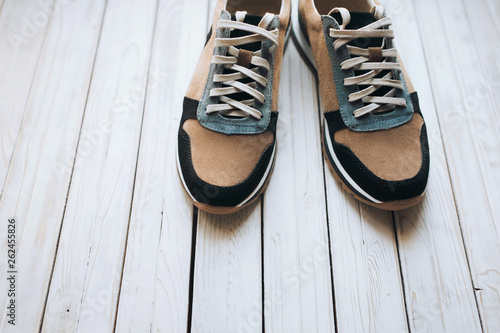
pixel 247 125
pixel 369 122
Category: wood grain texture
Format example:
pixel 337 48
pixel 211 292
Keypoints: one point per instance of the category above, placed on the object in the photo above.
pixel 451 266
pixel 434 263
pixel 465 106
pixel 91 102
pixel 367 281
pixel 486 40
pixel 297 275
pixel 493 12
pixel 20 43
pixel 87 275
pixel 227 295
pixel 483 243
pixel 39 175
pixel 155 285
pixel 366 276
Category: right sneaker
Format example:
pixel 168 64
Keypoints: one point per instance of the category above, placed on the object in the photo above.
pixel 374 135
pixel 227 134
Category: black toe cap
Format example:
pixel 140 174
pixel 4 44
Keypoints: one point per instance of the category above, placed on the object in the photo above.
pixel 380 189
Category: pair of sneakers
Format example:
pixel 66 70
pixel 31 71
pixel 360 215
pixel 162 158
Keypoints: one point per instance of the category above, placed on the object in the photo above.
pixel 374 135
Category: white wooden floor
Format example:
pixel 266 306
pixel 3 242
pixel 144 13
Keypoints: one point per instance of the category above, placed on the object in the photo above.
pixel 106 240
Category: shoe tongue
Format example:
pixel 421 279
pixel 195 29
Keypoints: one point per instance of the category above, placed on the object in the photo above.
pixel 253 20
pixel 360 20
pixel 249 19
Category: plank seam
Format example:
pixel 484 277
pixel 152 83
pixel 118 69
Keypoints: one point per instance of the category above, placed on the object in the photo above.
pixel 2 2
pixel 72 172
pixel 262 262
pixel 330 257
pixel 403 285
pixel 134 182
pixel 192 269
pixel 473 139
pixel 450 176
pixel 419 24
pixel 25 106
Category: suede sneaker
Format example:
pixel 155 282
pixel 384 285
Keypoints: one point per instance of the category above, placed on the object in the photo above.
pixel 374 134
pixel 227 133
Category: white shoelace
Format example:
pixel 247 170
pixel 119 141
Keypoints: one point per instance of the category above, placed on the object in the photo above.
pixel 231 85
pixel 372 60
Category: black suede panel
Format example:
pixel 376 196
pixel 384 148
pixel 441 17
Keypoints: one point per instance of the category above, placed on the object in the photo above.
pixel 209 35
pixel 303 28
pixel 380 189
pixel 189 109
pixel 334 121
pixel 274 122
pixel 215 195
pixel 416 104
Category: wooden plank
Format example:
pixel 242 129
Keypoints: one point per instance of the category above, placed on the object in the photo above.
pixel 84 287
pixel 367 280
pixel 21 42
pixel 438 288
pixel 297 275
pixel 484 252
pixel 493 12
pixel 366 275
pixel 486 74
pixel 467 112
pixel 155 286
pixel 37 183
pixel 485 39
pixel 227 294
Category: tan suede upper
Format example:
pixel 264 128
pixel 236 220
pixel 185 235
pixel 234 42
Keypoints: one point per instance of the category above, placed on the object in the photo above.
pixel 393 154
pixel 318 44
pixel 224 160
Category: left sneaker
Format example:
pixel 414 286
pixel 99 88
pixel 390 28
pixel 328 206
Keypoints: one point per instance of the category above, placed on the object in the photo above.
pixel 227 134
pixel 374 134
